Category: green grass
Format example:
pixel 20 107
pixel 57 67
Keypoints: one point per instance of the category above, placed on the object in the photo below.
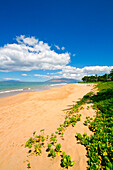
pixel 104 86
pixel 88 82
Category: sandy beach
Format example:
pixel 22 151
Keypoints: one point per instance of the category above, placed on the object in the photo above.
pixel 22 114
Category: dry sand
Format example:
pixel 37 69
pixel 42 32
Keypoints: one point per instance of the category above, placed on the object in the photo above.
pixel 22 114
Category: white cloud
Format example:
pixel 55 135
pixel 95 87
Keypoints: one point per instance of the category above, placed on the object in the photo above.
pixel 68 76
pixel 11 79
pixel 31 54
pixel 75 73
pixel 78 73
pixel 24 74
pixel 23 57
pixel 63 48
pixel 29 40
pixel 42 76
pixel 64 75
pixel 97 69
pixel 58 48
pixel 86 70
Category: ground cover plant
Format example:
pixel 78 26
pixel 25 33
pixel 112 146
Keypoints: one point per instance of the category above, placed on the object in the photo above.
pixel 28 165
pixel 66 161
pixel 100 145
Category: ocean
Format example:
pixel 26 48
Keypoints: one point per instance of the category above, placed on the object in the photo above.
pixel 13 88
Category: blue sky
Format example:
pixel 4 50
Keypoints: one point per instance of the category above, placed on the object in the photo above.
pixel 32 34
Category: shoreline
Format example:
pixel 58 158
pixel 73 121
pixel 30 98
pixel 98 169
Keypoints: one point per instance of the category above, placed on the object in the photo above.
pixel 12 92
pixel 22 114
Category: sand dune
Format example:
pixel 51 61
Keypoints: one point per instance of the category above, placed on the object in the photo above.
pixel 24 113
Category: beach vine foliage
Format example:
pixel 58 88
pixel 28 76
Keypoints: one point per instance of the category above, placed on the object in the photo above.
pixel 100 145
pixel 28 165
pixel 66 161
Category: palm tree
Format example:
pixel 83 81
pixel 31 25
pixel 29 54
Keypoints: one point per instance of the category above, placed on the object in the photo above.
pixel 111 74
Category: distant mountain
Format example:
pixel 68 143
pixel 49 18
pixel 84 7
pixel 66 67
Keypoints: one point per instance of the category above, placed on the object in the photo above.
pixel 11 81
pixel 63 80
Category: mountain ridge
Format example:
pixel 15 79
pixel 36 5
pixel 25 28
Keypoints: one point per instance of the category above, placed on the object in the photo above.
pixel 63 80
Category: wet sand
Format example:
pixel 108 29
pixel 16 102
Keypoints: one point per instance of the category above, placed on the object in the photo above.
pixel 22 114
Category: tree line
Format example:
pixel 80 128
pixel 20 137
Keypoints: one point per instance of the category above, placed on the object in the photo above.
pixel 95 78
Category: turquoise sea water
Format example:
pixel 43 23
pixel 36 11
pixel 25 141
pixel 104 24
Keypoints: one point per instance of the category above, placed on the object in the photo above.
pixel 19 85
pixel 12 88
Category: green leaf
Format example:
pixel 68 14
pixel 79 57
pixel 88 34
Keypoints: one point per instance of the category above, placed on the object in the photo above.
pixel 72 163
pixel 28 165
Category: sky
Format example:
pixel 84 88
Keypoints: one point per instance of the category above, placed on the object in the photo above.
pixel 46 39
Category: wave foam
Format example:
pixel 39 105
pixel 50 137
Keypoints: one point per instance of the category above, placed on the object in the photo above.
pixel 9 91
pixel 58 84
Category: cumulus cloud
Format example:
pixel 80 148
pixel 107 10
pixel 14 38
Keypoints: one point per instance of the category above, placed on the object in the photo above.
pixel 63 48
pixel 86 70
pixel 58 76
pixel 68 76
pixel 42 76
pixel 97 69
pixel 29 40
pixel 6 79
pixel 78 73
pixel 36 75
pixel 75 73
pixel 24 74
pixel 58 48
pixel 31 54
